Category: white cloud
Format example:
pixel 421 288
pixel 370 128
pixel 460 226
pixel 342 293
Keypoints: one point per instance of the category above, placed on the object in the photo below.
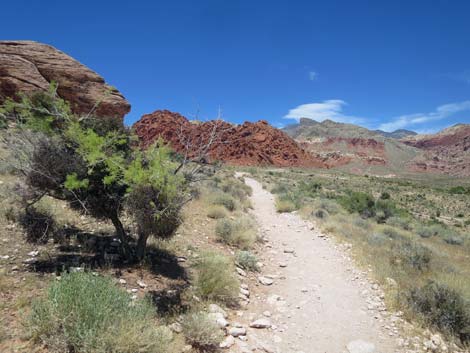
pixel 441 112
pixel 329 109
pixel 312 75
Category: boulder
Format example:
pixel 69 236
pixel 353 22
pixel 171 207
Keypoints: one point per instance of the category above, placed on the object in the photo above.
pixel 27 66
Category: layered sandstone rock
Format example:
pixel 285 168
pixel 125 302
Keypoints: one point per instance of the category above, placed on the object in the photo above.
pixel 27 66
pixel 247 144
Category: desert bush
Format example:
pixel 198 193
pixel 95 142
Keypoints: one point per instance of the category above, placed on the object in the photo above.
pixel 39 224
pixel 235 187
pixel 87 313
pixel 443 308
pixel 358 202
pixel 280 189
pixel 201 331
pixel 376 239
pixel 91 163
pixel 216 279
pixel 216 212
pixel 225 200
pixel 247 260
pixel 284 205
pixel 361 223
pixel 321 213
pixel 240 232
pixel 400 222
pixel 411 254
pixel 393 233
pixel 330 206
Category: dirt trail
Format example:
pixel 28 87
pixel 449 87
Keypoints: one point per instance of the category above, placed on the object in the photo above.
pixel 318 302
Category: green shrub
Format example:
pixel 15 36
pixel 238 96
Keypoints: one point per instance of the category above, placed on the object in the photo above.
pixel 358 202
pixel 443 308
pixel 462 190
pixel 225 200
pixel 201 331
pixel 411 254
pixel 87 313
pixel 216 212
pixel 240 232
pixel 247 260
pixel 376 239
pixel 216 279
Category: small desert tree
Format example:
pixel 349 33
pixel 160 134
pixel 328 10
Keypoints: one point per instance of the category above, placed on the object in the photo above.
pixel 90 163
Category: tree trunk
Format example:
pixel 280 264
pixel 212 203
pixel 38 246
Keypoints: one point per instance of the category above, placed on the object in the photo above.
pixel 141 246
pixel 121 234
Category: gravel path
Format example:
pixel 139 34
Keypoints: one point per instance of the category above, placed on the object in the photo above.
pixel 318 301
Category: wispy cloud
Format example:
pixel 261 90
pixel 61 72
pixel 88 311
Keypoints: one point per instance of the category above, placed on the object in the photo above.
pixel 329 109
pixel 410 120
pixel 312 75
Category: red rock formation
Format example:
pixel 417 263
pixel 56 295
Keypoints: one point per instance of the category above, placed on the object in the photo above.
pixel 247 144
pixel 27 66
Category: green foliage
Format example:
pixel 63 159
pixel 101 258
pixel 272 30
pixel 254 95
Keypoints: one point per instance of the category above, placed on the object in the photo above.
pixel 90 163
pixel 358 202
pixel 87 313
pixel 367 207
pixel 443 308
pixel 201 331
pixel 462 190
pixel 216 279
pixel 247 260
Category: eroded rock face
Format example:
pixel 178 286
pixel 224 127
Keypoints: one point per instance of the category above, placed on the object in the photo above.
pixel 27 66
pixel 247 144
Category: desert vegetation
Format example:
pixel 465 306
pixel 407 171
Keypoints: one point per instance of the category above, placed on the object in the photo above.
pixel 413 234
pixel 120 249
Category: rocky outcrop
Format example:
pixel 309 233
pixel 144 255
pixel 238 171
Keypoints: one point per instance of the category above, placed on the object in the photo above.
pixel 27 66
pixel 247 144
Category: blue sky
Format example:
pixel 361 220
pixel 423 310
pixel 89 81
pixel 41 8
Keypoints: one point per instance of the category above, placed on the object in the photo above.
pixel 388 64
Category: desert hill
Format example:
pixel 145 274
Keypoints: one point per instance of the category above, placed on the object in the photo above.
pixel 447 151
pixel 250 144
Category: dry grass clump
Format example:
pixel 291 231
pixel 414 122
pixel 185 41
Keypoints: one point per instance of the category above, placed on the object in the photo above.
pixel 283 206
pixel 215 278
pixel 216 212
pixel 224 199
pixel 240 232
pixel 201 331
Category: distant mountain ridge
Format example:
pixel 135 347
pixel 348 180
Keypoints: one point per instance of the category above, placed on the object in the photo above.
pixel 360 150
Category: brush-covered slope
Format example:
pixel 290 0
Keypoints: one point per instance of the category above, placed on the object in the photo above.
pixel 249 144
pixel 447 151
